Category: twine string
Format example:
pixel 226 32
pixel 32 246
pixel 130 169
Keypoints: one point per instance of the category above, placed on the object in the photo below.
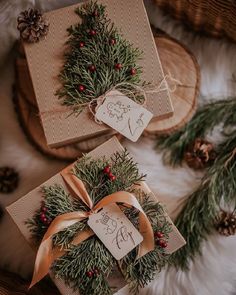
pixel 95 103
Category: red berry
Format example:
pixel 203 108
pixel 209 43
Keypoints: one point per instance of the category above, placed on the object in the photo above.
pixel 81 44
pixel 118 66
pixel 92 32
pixel 107 170
pixel 44 220
pixel 132 71
pixel 81 88
pixel 162 244
pixel 111 177
pixel 44 209
pixel 158 234
pixel 112 41
pixel 42 215
pixel 92 68
pixel 48 222
pixel 96 271
pixel 89 274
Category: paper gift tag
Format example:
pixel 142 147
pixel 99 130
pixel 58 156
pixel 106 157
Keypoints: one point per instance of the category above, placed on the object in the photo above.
pixel 124 115
pixel 115 230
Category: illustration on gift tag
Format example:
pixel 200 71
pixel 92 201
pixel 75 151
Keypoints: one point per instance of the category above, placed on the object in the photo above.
pixel 115 230
pixel 124 115
pixel 117 110
pixel 111 224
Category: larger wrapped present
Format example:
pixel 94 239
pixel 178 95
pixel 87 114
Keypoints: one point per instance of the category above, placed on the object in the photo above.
pixel 92 50
pixel 97 226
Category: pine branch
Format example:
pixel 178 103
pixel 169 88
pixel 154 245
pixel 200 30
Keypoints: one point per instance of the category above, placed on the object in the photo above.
pixel 203 122
pixel 197 218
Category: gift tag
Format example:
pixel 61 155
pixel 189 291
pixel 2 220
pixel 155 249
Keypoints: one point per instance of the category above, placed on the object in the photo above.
pixel 124 115
pixel 115 230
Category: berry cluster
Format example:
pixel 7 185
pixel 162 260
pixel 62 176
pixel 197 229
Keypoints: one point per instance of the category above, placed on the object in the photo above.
pixel 159 239
pixel 92 273
pixel 43 215
pixel 107 171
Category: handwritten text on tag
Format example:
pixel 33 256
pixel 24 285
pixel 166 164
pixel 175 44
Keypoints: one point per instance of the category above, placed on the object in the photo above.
pixel 124 115
pixel 115 230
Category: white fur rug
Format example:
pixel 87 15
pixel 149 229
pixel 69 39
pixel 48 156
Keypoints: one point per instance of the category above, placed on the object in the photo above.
pixel 211 274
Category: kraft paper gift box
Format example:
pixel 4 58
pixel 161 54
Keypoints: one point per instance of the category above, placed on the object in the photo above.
pixel 45 61
pixel 28 204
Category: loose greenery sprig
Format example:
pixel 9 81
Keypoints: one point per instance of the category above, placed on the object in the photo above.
pixel 206 118
pixel 97 59
pixel 198 216
pixel 76 265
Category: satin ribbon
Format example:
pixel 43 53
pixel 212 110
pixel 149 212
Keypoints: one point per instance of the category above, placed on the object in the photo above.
pixel 47 253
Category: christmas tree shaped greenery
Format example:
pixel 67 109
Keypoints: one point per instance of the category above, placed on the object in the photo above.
pixel 97 59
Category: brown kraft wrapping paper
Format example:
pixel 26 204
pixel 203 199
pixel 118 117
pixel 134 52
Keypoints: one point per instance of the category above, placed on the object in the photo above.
pixel 27 205
pixel 45 60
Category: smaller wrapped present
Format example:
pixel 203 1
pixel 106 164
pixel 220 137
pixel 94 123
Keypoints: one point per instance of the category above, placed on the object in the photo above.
pixel 97 226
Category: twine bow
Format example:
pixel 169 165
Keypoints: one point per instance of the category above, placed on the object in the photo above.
pixel 47 253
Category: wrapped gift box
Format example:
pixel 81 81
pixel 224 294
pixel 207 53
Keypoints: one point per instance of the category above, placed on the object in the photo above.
pixel 45 61
pixel 27 206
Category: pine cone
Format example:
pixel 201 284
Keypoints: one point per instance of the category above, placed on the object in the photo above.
pixel 226 223
pixel 200 154
pixel 8 180
pixel 32 25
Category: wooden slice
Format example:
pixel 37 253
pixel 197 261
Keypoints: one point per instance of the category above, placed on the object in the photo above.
pixel 31 125
pixel 183 76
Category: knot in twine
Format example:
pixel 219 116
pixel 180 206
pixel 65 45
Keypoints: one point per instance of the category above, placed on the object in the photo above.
pixel 48 253
pixel 138 94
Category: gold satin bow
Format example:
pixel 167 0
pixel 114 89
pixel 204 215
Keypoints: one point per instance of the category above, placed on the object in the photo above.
pixel 47 254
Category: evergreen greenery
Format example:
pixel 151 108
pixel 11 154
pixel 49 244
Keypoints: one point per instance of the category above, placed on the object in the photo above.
pixel 206 118
pixel 201 209
pixel 97 58
pixel 198 216
pixel 92 254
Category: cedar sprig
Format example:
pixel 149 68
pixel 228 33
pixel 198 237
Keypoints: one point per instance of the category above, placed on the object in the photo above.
pixel 58 202
pixel 198 216
pixel 122 166
pixel 92 254
pixel 97 51
pixel 142 271
pixel 73 267
pixel 204 121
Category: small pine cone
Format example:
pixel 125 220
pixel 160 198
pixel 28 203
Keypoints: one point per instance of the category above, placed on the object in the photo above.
pixel 9 179
pixel 226 223
pixel 32 25
pixel 200 154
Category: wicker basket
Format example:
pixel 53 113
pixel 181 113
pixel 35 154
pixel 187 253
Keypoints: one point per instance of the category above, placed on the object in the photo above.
pixel 215 17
